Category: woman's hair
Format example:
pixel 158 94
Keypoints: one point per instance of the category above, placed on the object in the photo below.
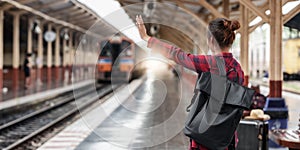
pixel 223 31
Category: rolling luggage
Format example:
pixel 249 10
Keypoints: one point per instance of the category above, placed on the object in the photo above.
pixel 252 135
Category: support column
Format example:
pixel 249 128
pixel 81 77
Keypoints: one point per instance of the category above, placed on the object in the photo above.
pixel 71 51
pixel 275 70
pixel 16 53
pixel 57 62
pixel 16 42
pixel 1 51
pixel 70 56
pixel 64 51
pixel 39 58
pixel 49 60
pixel 226 8
pixel 57 48
pixel 244 42
pixel 49 50
pixel 40 48
pixel 29 35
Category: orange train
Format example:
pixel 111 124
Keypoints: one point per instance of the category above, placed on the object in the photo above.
pixel 116 59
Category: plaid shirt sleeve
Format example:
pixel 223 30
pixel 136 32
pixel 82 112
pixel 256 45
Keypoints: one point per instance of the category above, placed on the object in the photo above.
pixel 197 63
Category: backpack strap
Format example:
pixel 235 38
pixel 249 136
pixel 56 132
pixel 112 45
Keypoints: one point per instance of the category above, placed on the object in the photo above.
pixel 221 66
pixel 236 79
pixel 196 92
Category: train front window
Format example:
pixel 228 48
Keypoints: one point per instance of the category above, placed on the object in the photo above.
pixel 126 48
pixel 105 49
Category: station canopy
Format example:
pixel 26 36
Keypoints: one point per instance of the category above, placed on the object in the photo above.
pixel 64 13
pixel 205 11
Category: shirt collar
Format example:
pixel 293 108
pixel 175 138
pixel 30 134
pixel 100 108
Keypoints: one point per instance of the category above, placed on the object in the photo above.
pixel 225 54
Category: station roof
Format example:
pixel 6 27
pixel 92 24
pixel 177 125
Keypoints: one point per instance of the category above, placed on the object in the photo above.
pixel 294 22
pixel 64 13
pixel 204 10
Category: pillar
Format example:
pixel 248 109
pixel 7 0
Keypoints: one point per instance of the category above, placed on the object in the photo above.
pixel 29 35
pixel 275 70
pixel 70 56
pixel 16 53
pixel 1 51
pixel 57 48
pixel 40 47
pixel 226 8
pixel 71 51
pixel 16 41
pixel 39 58
pixel 49 50
pixel 64 51
pixel 244 42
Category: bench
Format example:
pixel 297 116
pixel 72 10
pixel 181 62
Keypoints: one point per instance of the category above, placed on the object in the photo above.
pixel 286 137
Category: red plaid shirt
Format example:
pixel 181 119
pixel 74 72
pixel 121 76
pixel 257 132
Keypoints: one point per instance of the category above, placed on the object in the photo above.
pixel 198 63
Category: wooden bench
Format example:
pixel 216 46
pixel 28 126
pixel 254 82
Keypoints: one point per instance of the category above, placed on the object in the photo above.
pixel 286 137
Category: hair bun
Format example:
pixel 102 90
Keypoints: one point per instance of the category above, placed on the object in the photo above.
pixel 234 25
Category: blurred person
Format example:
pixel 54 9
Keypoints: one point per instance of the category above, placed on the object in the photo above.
pixel 27 68
pixel 221 34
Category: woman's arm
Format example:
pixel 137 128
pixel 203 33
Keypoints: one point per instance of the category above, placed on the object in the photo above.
pixel 197 63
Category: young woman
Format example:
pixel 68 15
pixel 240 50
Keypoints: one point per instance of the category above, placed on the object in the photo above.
pixel 219 39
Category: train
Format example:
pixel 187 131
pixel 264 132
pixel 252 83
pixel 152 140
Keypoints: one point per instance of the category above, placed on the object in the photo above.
pixel 116 59
pixel 291 59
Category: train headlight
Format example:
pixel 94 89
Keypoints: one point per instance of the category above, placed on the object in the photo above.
pixel 129 53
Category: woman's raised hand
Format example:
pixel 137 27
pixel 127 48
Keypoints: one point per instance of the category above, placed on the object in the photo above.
pixel 142 28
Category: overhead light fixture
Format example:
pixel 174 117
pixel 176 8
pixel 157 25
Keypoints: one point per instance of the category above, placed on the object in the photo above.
pixel 36 27
pixel 154 29
pixel 66 36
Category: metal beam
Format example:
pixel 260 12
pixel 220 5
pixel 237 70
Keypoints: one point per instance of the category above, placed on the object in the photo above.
pixel 83 19
pixel 8 6
pixel 249 5
pixel 192 13
pixel 252 28
pixel 72 15
pixel 264 8
pixel 210 8
pixel 59 12
pixel 76 3
pixel 52 3
pixel 78 17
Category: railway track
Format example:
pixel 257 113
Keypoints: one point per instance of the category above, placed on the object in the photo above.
pixel 19 111
pixel 15 133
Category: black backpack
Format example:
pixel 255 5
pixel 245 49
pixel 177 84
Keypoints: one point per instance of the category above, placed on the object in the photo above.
pixel 216 109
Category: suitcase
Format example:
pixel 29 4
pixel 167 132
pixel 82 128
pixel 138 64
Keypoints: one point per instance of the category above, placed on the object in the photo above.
pixel 252 135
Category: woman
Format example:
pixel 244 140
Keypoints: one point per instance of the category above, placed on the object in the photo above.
pixel 219 39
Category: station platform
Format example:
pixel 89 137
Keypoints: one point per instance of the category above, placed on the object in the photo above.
pixel 146 118
pixel 140 119
pixel 48 82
